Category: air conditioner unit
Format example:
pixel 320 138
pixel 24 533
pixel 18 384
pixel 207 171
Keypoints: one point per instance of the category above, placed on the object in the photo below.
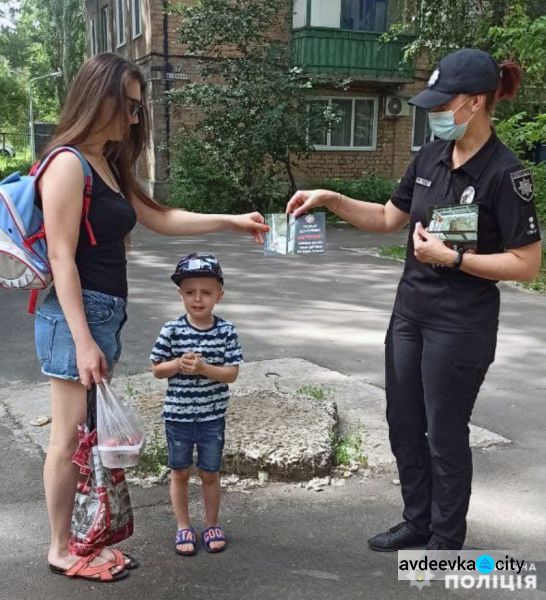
pixel 395 106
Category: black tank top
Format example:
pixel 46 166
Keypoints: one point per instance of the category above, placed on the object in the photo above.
pixel 103 268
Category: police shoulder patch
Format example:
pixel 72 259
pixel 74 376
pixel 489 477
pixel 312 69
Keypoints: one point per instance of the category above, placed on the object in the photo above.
pixel 522 183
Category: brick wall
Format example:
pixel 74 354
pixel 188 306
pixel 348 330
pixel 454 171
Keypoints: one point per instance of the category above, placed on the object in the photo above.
pixel 393 148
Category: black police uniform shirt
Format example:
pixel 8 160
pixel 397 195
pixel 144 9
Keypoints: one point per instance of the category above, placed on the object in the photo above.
pixel 448 299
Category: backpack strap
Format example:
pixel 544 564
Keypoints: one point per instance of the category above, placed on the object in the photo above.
pixel 32 302
pixel 38 170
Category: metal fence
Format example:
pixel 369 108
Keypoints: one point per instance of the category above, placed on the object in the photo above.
pixel 14 145
pixel 17 145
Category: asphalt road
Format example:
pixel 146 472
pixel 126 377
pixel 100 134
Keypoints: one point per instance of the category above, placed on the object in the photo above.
pixel 286 542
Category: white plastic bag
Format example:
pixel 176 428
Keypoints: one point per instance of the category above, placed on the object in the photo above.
pixel 120 433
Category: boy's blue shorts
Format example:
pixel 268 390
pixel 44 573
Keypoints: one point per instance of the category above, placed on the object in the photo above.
pixel 208 436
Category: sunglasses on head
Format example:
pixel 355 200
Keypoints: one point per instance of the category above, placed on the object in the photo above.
pixel 135 106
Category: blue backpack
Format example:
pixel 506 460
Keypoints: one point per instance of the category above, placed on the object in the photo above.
pixel 24 264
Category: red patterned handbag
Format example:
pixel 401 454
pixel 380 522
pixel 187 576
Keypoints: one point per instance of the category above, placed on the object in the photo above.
pixel 102 513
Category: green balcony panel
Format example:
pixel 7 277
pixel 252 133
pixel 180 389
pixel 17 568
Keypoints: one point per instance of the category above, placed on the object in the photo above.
pixel 356 54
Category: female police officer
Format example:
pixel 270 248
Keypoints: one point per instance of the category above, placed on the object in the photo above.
pixel 442 335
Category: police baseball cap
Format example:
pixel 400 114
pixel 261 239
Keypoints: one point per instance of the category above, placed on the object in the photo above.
pixel 467 71
pixel 198 265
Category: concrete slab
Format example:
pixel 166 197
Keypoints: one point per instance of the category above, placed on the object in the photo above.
pixel 360 408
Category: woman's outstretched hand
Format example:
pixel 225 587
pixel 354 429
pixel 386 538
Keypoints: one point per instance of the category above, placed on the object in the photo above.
pixel 252 223
pixel 305 201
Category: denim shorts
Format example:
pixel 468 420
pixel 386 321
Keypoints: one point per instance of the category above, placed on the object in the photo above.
pixel 55 347
pixel 208 436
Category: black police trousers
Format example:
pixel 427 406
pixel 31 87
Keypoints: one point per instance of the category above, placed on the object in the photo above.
pixel 432 381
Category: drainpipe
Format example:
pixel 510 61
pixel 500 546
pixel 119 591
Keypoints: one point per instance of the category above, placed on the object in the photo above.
pixel 167 81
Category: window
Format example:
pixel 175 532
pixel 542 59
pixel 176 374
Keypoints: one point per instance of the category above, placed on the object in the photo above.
pixel 421 133
pixel 299 15
pixel 93 37
pixel 104 33
pixel 318 136
pixel 324 13
pixel 364 15
pixel 136 13
pixel 356 128
pixel 120 23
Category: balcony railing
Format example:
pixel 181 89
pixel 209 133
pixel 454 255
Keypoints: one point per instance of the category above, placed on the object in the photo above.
pixel 356 54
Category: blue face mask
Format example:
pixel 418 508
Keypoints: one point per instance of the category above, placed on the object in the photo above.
pixel 443 126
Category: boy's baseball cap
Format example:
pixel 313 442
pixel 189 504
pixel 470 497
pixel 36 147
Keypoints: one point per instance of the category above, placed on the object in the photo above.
pixel 467 71
pixel 198 265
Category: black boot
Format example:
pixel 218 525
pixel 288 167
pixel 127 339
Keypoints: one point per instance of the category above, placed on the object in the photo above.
pixel 399 537
pixel 438 543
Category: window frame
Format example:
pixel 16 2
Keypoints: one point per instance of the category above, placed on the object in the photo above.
pixel 119 21
pixel 380 29
pixel 134 33
pixel 413 147
pixel 104 29
pixel 329 147
pixel 93 36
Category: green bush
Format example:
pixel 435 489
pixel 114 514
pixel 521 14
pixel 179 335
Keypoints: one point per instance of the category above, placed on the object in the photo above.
pixel 521 132
pixel 203 180
pixel 370 187
pixel 9 165
pixel 539 184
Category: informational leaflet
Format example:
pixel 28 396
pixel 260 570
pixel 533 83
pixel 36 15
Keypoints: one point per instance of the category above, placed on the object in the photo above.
pixel 456 225
pixel 288 235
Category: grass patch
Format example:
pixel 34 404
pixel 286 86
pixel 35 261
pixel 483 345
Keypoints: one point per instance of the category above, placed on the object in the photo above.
pixel 10 165
pixel 331 218
pixel 316 392
pixel 154 459
pixel 539 284
pixel 397 252
pixel 348 450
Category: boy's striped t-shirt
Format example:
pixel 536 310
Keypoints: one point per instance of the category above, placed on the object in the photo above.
pixel 195 397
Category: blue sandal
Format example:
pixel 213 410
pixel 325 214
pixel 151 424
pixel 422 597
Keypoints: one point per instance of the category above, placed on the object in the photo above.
pixel 214 534
pixel 186 536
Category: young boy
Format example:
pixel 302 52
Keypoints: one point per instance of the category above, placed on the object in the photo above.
pixel 200 354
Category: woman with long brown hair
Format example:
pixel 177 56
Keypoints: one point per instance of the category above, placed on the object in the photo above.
pixel 443 330
pixel 78 324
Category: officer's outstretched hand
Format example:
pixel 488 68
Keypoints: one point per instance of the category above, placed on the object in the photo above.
pixel 429 249
pixel 305 201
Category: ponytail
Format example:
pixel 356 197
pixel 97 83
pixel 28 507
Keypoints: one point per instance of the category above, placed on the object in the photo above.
pixel 510 74
pixel 510 81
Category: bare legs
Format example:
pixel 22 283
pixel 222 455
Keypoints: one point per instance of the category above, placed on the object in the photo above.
pixel 211 497
pixel 68 409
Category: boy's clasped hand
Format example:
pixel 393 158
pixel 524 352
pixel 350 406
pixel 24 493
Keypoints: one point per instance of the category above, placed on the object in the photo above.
pixel 190 363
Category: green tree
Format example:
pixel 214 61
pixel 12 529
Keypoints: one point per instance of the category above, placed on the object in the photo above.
pixel 252 106
pixel 59 41
pixel 507 30
pixel 14 99
pixel 522 38
pixel 39 37
pixel 522 124
pixel 441 26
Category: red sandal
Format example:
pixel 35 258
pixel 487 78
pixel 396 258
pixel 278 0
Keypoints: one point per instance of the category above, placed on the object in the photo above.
pixel 83 570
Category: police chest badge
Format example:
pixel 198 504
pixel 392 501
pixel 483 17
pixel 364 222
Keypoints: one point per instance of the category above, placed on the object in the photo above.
pixel 467 197
pixel 522 182
pixel 433 78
